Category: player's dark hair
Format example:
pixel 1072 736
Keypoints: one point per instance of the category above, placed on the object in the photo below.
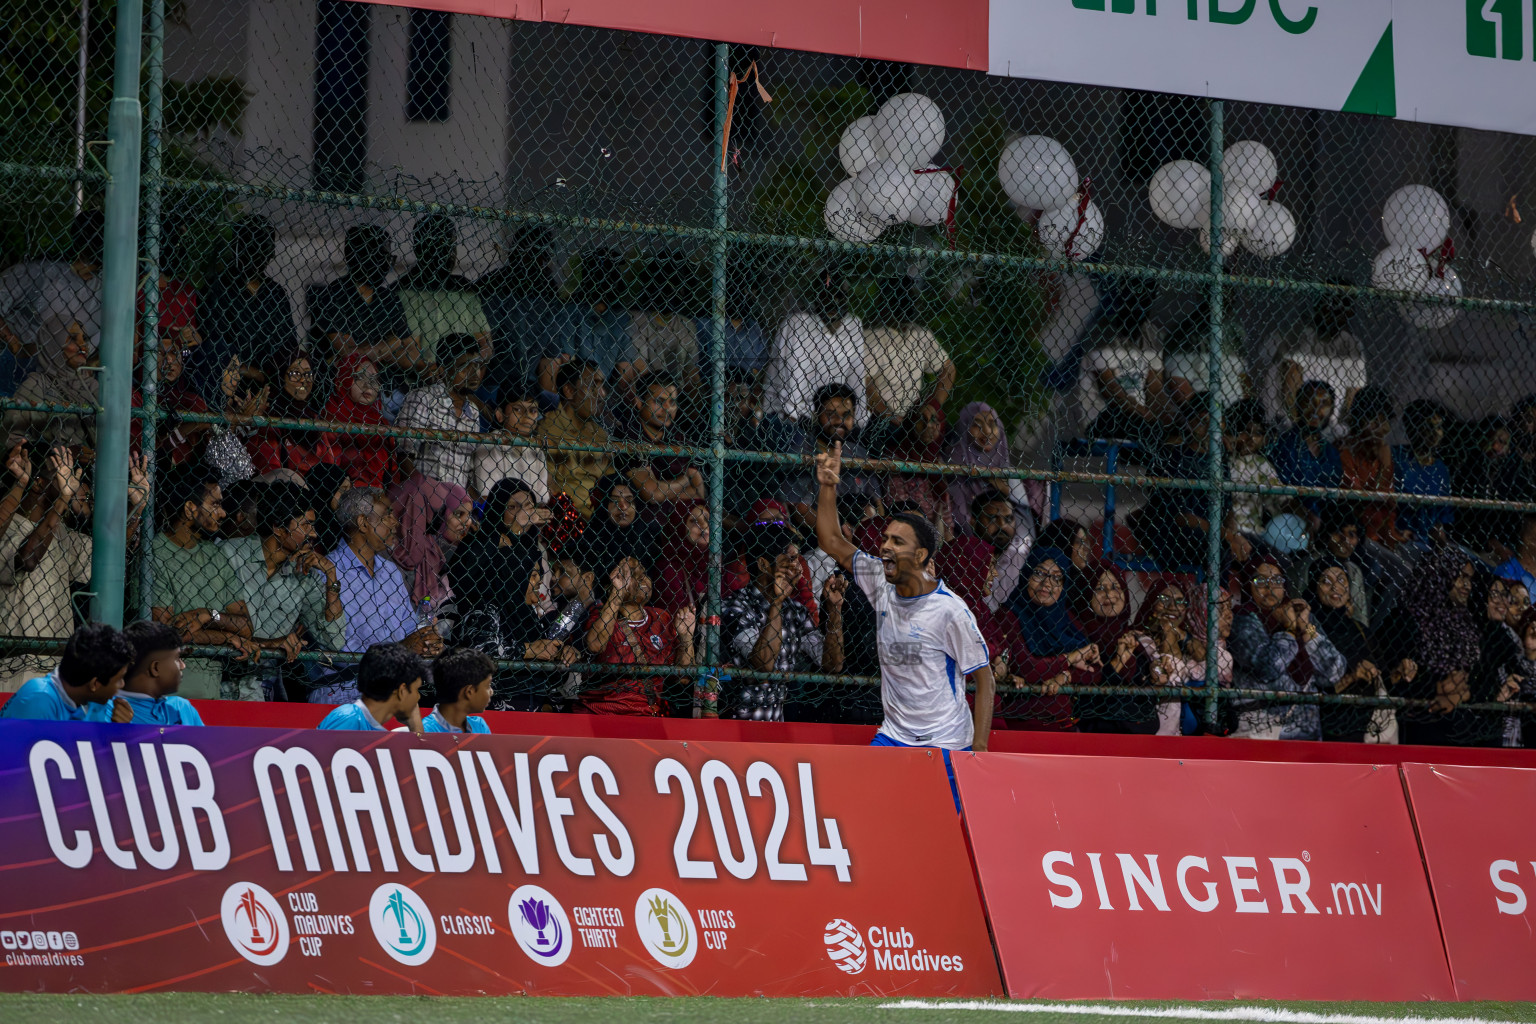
pixel 279 505
pixel 95 651
pixel 387 667
pixel 923 529
pixel 146 637
pixel 457 669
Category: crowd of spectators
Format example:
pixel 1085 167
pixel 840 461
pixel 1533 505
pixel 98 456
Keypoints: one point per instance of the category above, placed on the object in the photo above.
pixel 535 531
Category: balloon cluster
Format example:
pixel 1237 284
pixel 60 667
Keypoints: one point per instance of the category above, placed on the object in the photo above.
pixel 888 156
pixel 1417 223
pixel 1037 173
pixel 1180 195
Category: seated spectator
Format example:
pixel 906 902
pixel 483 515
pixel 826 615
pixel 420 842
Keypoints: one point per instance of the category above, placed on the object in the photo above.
pixel 434 518
pixel 1517 730
pixel 449 405
pixel 746 347
pixel 1448 645
pixel 96 658
pixel 179 442
pixel 150 685
pixel 437 300
pixel 1371 669
pixel 1049 649
pixel 531 324
pixel 920 438
pixel 625 630
pixel 1172 526
pixel 359 314
pixel 1477 471
pixel 43 302
pixel 287 585
pixel 1243 436
pixel 176 320
pixel 240 399
pixel 900 354
pixel 293 386
pixel 56 378
pixel 1070 538
pixel 1496 674
pixel 328 483
pixel 518 413
pixel 662 329
pixel 244 312
pixel 683 564
pixel 657 478
pixel 195 589
pixel 836 411
pixel 577 420
pixel 617 530
pixel 374 596
pixel 241 500
pixel 1187 358
pixel 1276 646
pixel 1337 539
pixel 1303 455
pixel 1418 469
pixel 1173 642
pixel 389 679
pixel 1521 567
pixel 993 522
pixel 979 442
pixel 747 483
pixel 738 575
pixel 824 342
pixel 369 459
pixel 1101 611
pixel 1120 386
pixel 763 628
pixel 462 678
pixel 604 332
pixel 1325 351
pixel 1366 460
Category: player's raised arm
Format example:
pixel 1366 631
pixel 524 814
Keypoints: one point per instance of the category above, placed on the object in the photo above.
pixel 829 532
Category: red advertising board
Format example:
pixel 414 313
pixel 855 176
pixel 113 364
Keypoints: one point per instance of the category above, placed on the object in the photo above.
pixel 1161 879
pixel 1478 833
pixel 139 859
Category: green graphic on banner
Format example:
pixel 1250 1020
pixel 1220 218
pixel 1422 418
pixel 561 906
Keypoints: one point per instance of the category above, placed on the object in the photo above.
pixel 1496 28
pixel 1375 91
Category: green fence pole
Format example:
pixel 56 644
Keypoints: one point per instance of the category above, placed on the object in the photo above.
pixel 149 379
pixel 1214 515
pixel 711 632
pixel 119 274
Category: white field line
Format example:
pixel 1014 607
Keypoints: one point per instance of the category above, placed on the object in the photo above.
pixel 1262 1014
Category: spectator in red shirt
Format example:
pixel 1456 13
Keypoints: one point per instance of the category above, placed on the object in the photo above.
pixel 369 460
pixel 179 443
pixel 292 378
pixel 625 630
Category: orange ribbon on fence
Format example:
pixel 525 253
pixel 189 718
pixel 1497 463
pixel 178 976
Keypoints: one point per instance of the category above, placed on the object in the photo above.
pixel 730 107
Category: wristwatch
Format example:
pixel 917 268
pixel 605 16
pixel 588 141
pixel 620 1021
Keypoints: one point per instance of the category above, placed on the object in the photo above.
pixel 214 616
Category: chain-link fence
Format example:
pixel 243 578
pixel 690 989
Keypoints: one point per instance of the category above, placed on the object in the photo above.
pixel 525 336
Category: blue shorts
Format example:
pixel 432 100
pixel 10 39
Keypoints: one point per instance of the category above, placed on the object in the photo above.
pixel 882 740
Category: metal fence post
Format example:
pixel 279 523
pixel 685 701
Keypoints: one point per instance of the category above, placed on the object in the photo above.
pixel 717 363
pixel 118 279
pixel 1214 516
pixel 149 365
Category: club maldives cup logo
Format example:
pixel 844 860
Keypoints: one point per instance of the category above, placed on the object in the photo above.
pixel 845 946
pixel 402 924
pixel 539 925
pixel 663 923
pixel 254 923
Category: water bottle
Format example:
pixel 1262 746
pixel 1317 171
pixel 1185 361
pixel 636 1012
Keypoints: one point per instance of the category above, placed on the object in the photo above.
pixel 568 621
pixel 426 615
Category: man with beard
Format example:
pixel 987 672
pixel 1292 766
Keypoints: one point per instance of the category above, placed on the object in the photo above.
pixel 657 478
pixel 836 409
pixel 195 589
pixel 992 520
pixel 360 313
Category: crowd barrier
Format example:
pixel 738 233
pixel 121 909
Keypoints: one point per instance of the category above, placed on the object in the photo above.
pixel 291 860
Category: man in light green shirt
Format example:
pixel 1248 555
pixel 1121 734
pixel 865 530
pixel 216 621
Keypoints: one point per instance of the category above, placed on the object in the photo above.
pixel 286 583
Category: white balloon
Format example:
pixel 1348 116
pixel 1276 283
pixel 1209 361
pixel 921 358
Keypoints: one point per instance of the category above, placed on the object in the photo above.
pixel 1249 165
pixel 1398 268
pixel 1447 285
pixel 934 190
pixel 1274 234
pixel 886 193
pixel 842 216
pixel 909 129
pixel 1060 226
pixel 1416 216
pixel 1180 194
pixel 1229 242
pixel 856 149
pixel 1240 212
pixel 1037 173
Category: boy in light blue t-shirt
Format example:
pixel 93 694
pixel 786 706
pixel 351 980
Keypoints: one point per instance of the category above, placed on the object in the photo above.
pixel 389 687
pixel 89 676
pixel 151 684
pixel 462 676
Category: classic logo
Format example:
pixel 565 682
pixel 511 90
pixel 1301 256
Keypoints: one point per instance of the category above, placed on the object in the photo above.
pixel 403 924
pixel 845 946
pixel 662 921
pixel 254 923
pixel 1496 28
pixel 539 925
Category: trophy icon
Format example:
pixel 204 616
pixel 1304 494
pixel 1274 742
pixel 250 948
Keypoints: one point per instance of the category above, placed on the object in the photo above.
pixel 660 909
pixel 536 913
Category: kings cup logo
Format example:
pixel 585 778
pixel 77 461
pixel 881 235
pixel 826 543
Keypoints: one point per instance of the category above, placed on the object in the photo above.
pixel 538 923
pixel 663 924
pixel 845 946
pixel 402 924
pixel 254 923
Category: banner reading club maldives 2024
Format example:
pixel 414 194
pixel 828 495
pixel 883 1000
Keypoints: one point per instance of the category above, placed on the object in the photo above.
pixel 138 859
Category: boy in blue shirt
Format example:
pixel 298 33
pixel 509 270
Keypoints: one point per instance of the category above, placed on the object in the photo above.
pixel 151 685
pixel 462 676
pixel 91 672
pixel 389 687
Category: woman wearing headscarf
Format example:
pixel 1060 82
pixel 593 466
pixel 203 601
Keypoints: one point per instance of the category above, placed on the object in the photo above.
pixel 683 567
pixel 1101 610
pixel 292 379
pixel 921 439
pixel 55 379
pixel 616 529
pixel 1498 674
pixel 1370 669
pixel 1448 645
pixel 1277 646
pixel 1053 645
pixel 434 518
pixel 369 460
pixel 980 442
pixel 179 442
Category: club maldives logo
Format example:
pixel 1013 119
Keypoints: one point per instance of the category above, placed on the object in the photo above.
pixel 662 921
pixel 845 946
pixel 539 925
pixel 403 924
pixel 254 923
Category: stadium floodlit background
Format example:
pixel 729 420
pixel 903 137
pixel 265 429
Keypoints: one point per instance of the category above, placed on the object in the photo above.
pixel 563 192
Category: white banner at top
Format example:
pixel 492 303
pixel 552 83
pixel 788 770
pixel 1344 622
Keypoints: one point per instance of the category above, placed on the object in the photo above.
pixel 1467 62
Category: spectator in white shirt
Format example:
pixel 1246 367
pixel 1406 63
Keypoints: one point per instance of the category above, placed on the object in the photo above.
pixel 518 413
pixel 449 405
pixel 822 345
pixel 900 354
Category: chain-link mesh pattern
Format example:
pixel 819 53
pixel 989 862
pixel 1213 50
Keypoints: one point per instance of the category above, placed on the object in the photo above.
pixel 525 337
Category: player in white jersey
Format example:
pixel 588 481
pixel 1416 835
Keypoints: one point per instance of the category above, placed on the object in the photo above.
pixel 929 641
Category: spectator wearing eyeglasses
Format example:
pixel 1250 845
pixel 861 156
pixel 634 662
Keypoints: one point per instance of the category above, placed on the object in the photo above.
pixel 518 413
pixel 293 397
pixel 449 405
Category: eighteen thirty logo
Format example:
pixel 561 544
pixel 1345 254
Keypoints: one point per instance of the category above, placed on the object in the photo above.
pixel 539 925
pixel 254 923
pixel 1496 28
pixel 662 921
pixel 845 946
pixel 403 924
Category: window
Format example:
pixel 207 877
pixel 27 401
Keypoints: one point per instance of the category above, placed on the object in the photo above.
pixel 341 95
pixel 429 75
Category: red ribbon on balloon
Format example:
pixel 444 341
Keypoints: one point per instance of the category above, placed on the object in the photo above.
pixel 1084 196
pixel 1438 257
pixel 954 195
